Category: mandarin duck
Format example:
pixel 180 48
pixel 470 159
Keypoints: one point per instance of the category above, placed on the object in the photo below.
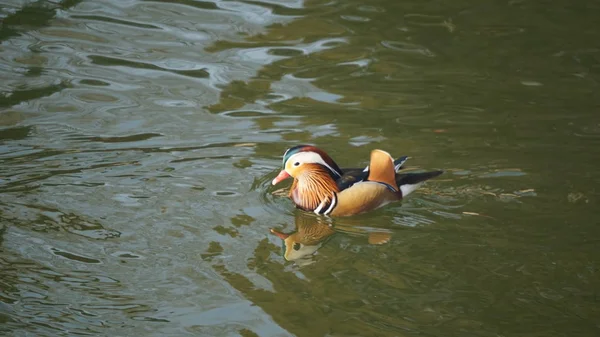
pixel 322 187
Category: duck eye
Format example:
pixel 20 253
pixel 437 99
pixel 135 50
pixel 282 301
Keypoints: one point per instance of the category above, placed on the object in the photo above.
pixel 296 246
pixel 296 163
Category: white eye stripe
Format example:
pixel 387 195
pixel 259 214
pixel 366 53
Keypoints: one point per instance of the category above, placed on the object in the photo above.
pixel 311 157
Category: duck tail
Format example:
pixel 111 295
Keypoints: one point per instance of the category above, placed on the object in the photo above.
pixel 399 162
pixel 408 182
pixel 382 169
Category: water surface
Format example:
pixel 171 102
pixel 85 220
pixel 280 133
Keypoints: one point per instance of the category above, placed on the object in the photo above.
pixel 138 140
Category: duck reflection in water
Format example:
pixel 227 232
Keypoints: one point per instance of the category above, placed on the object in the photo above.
pixel 313 231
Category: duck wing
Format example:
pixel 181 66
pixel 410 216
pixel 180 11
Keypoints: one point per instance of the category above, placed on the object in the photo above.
pixel 351 176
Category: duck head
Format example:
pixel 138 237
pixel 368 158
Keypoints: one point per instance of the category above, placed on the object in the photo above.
pixel 300 158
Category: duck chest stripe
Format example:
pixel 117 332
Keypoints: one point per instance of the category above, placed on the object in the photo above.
pixel 327 202
pixel 315 186
pixel 333 204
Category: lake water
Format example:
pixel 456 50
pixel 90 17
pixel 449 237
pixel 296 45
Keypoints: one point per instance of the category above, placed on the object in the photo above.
pixel 138 140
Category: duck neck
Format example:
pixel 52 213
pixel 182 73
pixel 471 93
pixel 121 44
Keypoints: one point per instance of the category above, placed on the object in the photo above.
pixel 312 186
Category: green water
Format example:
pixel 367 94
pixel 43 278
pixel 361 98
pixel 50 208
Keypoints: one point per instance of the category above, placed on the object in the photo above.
pixel 138 140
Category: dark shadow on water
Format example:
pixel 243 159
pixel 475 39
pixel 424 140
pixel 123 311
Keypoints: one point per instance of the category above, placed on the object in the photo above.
pixel 111 61
pixel 2 231
pixel 17 133
pixel 18 96
pixel 116 21
pixel 194 4
pixel 31 17
pixel 118 139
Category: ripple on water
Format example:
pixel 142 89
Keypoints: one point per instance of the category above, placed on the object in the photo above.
pixel 127 255
pixel 73 256
pixel 118 22
pixel 360 63
pixel 426 20
pixel 370 9
pixel 171 103
pixel 93 82
pixel 272 198
pixel 117 62
pixel 97 150
pixel 286 52
pixel 409 48
pixel 503 173
pixel 225 193
pixel 246 113
pixel 117 139
pixel 355 18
